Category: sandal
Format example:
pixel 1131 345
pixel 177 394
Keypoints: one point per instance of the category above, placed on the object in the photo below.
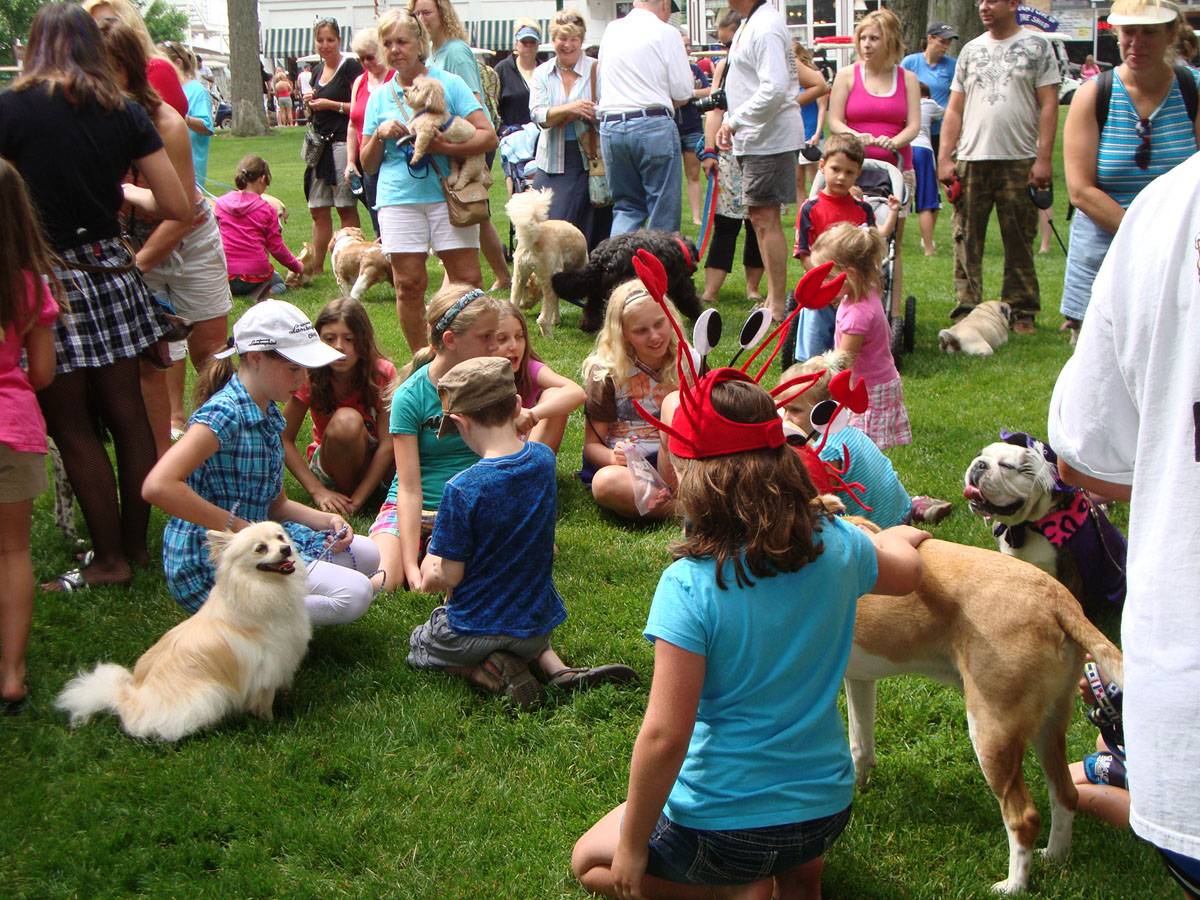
pixel 66 583
pixel 578 679
pixel 516 681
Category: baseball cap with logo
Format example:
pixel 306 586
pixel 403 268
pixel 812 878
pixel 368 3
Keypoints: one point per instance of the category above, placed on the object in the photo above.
pixel 472 385
pixel 942 30
pixel 276 326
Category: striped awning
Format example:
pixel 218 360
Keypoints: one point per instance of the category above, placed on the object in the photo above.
pixel 497 34
pixel 280 44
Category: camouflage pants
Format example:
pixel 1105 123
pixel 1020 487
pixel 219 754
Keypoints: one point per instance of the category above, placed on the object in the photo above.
pixel 1003 184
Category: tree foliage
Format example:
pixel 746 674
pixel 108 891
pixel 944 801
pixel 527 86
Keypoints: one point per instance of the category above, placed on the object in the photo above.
pixel 165 22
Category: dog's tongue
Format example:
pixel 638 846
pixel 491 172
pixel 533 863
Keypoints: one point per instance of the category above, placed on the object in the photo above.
pixel 970 492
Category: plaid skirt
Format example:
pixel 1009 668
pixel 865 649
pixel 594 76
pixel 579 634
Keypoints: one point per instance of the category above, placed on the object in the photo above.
pixel 886 420
pixel 107 317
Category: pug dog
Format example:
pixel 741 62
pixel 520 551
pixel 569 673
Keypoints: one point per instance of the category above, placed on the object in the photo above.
pixel 979 332
pixel 1014 483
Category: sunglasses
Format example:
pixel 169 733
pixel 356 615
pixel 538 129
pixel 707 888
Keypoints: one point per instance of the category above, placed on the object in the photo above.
pixel 366 57
pixel 1141 156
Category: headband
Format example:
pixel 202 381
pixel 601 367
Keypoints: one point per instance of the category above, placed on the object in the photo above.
pixel 439 327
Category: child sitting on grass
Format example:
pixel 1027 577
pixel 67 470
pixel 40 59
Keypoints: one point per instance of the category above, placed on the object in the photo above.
pixel 836 202
pixel 547 398
pixel 492 550
pixel 349 457
pixel 863 332
pixel 882 491
pixel 249 228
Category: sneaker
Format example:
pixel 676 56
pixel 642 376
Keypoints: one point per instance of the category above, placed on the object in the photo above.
pixel 930 510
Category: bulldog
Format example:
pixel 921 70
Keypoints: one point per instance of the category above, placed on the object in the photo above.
pixel 1014 483
pixel 979 332
pixel 358 264
pixel 1012 639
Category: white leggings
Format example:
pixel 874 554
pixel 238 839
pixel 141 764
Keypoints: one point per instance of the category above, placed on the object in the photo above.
pixel 338 588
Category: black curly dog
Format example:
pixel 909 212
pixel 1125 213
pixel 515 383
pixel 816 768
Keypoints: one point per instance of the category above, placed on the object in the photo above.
pixel 611 263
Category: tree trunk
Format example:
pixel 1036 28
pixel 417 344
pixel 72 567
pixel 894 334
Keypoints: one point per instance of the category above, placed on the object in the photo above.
pixel 962 14
pixel 914 19
pixel 245 70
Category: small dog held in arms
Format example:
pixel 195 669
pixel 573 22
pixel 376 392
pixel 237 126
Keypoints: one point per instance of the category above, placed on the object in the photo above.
pixel 980 332
pixel 358 264
pixel 243 645
pixel 544 247
pixel 427 98
pixel 1012 639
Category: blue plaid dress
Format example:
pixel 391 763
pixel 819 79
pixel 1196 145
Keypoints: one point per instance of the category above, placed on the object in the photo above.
pixel 246 470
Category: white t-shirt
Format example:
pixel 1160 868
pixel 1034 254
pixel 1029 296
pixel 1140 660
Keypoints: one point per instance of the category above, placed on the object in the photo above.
pixel 1000 80
pixel 762 87
pixel 929 112
pixel 304 81
pixel 642 64
pixel 1126 409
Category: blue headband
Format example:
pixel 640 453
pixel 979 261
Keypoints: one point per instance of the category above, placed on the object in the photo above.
pixel 451 314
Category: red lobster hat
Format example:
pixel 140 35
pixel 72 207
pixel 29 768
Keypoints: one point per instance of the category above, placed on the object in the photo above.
pixel 698 431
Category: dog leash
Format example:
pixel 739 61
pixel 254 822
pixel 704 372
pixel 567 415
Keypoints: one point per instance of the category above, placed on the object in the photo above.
pixel 326 554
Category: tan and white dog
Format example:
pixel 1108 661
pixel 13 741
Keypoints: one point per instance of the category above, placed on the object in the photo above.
pixel 1012 639
pixel 308 267
pixel 545 247
pixel 244 644
pixel 358 264
pixel 427 98
pixel 280 208
pixel 980 332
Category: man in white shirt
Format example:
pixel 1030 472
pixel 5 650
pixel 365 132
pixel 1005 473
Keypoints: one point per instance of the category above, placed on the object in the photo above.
pixel 644 75
pixel 1001 121
pixel 763 127
pixel 1125 422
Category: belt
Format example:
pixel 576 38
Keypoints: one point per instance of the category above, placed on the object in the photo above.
pixel 636 114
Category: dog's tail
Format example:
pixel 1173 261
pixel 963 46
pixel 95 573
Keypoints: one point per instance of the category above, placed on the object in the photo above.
pixel 529 208
pixel 948 341
pixel 100 690
pixel 1072 620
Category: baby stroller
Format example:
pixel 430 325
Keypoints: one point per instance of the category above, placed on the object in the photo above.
pixel 878 180
pixel 517 150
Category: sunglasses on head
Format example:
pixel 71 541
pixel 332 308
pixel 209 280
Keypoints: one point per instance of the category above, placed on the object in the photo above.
pixel 1141 156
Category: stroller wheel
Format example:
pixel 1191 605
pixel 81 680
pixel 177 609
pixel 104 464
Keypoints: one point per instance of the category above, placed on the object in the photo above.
pixel 910 323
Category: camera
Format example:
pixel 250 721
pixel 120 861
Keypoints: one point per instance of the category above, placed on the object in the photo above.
pixel 715 100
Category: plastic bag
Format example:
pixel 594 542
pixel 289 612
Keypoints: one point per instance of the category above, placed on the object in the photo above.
pixel 649 489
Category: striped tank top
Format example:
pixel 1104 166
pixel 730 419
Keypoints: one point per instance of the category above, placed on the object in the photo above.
pixel 1172 140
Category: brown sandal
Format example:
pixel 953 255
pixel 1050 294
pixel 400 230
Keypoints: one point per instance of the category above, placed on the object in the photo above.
pixel 516 681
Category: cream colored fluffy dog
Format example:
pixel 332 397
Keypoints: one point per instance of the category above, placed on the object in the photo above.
pixel 428 99
pixel 243 645
pixel 979 332
pixel 358 264
pixel 545 247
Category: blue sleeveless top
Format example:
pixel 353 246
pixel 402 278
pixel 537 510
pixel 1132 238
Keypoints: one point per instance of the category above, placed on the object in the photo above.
pixel 1172 140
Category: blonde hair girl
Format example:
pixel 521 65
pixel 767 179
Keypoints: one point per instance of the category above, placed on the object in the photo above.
pixel 634 359
pixel 462 323
pixel 862 330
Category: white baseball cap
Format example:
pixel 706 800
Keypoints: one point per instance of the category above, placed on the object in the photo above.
pixel 1137 12
pixel 275 325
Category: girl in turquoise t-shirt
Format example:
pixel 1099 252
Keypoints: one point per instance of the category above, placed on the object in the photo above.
pixel 741 772
pixel 462 324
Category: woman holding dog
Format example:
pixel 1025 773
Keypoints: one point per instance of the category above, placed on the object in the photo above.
pixel 375 74
pixel 562 100
pixel 325 184
pixel 450 52
pixel 1145 133
pixel 413 216
pixel 73 149
pixel 879 102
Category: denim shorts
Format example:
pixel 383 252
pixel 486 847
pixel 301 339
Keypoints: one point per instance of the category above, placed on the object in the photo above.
pixel 741 856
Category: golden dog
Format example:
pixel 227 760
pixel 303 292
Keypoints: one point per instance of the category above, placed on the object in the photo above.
pixel 545 247
pixel 358 264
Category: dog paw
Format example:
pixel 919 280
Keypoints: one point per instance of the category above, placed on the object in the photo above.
pixel 1009 886
pixel 1054 855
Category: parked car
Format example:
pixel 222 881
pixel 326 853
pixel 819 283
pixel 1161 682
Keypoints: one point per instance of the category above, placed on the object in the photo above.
pixel 1068 74
pixel 224 115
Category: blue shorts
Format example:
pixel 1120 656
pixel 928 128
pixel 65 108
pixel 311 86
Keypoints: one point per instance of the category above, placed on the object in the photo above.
pixel 925 168
pixel 1184 869
pixel 740 856
pixel 688 142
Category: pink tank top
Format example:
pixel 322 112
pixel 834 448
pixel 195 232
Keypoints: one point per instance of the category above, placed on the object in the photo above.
pixel 358 112
pixel 880 115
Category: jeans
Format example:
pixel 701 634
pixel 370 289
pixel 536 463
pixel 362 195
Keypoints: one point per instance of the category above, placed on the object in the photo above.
pixel 645 173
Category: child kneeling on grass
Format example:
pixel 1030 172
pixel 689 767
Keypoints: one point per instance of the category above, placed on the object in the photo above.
pixel 741 773
pixel 492 550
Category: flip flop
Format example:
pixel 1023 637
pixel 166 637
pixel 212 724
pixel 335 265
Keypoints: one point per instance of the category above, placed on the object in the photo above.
pixel 578 679
pixel 516 681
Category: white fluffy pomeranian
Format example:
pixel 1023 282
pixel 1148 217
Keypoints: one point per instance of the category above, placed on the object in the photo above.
pixel 243 645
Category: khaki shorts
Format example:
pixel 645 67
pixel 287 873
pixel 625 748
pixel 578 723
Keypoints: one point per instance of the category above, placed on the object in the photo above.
pixel 768 180
pixel 322 195
pixel 435 645
pixel 22 475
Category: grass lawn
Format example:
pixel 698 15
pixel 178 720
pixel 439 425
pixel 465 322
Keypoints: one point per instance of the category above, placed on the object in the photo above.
pixel 379 779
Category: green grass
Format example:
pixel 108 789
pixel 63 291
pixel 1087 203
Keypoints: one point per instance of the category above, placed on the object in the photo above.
pixel 378 779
